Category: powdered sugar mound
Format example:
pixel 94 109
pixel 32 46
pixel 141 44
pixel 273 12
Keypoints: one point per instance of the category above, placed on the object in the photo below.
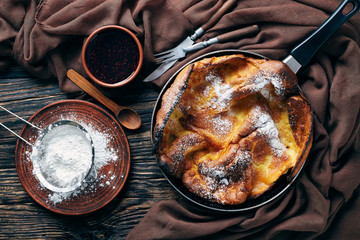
pixel 262 81
pixel 103 155
pixel 265 125
pixel 221 91
pixel 277 82
pixel 63 156
pixel 56 198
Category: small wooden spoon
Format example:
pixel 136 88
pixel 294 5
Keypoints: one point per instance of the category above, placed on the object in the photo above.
pixel 126 116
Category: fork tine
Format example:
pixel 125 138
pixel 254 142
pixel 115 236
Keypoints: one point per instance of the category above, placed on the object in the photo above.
pixel 163 53
pixel 170 55
pixel 169 59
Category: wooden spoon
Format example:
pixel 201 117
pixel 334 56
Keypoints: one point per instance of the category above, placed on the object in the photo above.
pixel 126 116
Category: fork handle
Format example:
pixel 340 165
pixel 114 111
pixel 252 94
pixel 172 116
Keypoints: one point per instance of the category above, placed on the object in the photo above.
pixel 220 12
pixel 226 37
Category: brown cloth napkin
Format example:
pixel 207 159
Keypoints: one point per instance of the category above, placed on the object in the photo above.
pixel 45 37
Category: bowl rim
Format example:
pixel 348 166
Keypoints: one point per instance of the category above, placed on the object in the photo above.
pixel 99 31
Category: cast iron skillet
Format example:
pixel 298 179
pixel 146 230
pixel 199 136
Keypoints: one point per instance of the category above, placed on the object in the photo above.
pixel 300 56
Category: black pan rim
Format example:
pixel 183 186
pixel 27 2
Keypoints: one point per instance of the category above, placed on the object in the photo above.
pixel 279 187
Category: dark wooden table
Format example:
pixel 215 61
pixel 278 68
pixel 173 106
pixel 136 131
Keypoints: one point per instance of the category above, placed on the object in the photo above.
pixel 22 218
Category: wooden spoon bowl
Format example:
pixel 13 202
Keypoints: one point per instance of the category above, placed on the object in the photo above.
pixel 126 116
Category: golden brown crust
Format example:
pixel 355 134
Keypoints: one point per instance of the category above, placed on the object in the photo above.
pixel 299 116
pixel 172 160
pixel 299 122
pixel 169 100
pixel 239 125
pixel 289 78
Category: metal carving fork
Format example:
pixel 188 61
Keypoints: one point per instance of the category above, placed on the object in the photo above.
pixel 181 52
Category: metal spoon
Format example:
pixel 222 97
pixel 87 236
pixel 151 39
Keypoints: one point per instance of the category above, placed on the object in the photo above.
pixel 126 116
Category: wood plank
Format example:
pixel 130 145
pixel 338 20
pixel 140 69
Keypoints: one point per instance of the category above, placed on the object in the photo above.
pixel 22 218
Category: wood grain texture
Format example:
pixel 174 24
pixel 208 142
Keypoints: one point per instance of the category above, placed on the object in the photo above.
pixel 22 218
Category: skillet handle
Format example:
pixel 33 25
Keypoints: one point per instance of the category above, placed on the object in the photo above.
pixel 306 49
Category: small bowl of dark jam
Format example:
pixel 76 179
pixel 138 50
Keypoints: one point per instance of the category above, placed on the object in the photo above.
pixel 112 56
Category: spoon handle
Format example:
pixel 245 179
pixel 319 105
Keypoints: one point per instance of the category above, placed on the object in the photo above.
pixel 21 118
pixel 17 135
pixel 90 89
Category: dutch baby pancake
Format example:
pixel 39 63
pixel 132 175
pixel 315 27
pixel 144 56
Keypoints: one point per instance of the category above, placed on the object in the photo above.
pixel 230 126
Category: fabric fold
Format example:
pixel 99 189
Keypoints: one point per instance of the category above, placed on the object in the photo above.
pixel 46 37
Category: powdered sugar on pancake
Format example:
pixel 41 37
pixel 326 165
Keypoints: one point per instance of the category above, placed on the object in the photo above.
pixel 218 178
pixel 221 125
pixel 261 83
pixel 221 92
pixel 266 126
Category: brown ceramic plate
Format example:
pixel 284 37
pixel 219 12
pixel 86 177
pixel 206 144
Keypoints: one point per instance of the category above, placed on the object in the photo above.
pixel 111 174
